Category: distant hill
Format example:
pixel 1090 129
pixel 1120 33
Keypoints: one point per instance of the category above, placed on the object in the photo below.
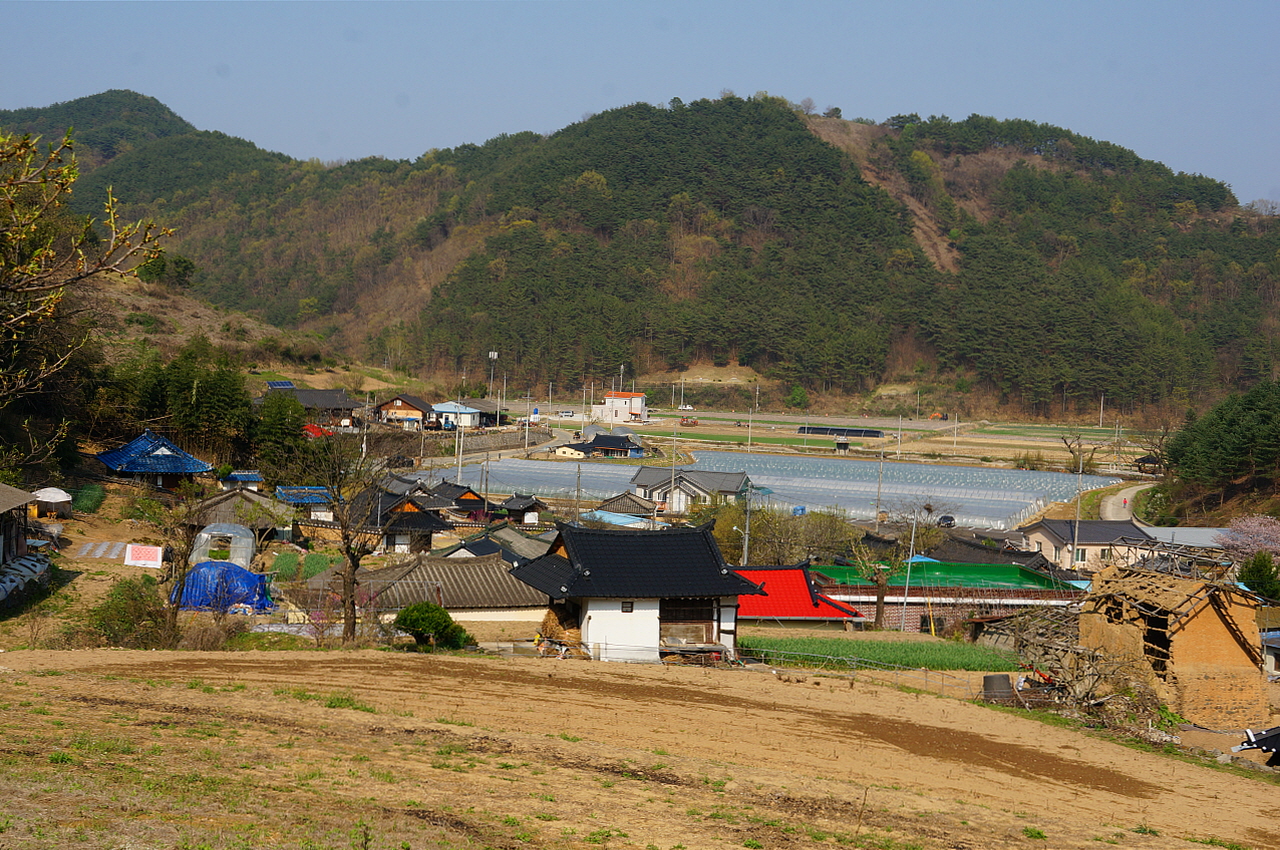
pixel 1044 266
pixel 106 124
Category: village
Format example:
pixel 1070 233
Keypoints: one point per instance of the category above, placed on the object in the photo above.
pixel 632 578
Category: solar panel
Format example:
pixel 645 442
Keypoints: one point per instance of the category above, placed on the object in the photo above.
pixel 280 385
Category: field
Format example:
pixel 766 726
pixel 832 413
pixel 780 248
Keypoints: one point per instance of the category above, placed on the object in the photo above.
pixel 942 655
pixel 338 750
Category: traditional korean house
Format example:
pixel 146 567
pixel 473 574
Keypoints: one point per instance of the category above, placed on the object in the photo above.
pixel 642 595
pixel 152 459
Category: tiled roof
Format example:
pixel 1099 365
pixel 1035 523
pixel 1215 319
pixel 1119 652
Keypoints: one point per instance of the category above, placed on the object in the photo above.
pixel 658 477
pixel 304 495
pixel 629 503
pixel 409 401
pixel 243 475
pixel 791 596
pixel 622 563
pixel 151 453
pixel 463 583
pixel 1093 532
pixel 520 502
pixel 453 407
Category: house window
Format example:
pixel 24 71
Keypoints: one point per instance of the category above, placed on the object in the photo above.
pixel 1057 554
pixel 1039 545
pixel 1082 555
pixel 628 606
pixel 1104 554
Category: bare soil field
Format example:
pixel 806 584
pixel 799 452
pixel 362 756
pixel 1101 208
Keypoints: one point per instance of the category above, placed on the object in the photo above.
pixel 371 749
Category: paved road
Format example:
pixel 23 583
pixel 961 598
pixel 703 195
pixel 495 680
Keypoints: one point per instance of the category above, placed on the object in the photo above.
pixel 1119 505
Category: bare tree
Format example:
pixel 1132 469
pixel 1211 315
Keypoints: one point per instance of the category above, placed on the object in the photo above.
pixel 350 468
pixel 1081 456
pixel 879 570
pixel 179 523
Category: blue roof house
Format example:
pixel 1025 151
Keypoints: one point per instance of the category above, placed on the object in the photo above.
pixel 457 414
pixel 153 459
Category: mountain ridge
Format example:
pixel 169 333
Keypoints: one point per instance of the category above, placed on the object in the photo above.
pixel 1043 265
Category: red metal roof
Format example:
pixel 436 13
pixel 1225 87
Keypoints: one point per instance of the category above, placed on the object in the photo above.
pixel 791 596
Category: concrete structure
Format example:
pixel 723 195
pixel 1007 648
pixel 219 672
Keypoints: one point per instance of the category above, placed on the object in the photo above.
pixel 619 407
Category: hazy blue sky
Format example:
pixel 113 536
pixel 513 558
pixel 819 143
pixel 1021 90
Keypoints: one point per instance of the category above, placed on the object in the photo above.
pixel 1193 85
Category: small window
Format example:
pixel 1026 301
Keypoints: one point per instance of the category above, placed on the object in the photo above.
pixel 1057 553
pixel 628 607
pixel 1082 555
pixel 1039 545
pixel 1104 554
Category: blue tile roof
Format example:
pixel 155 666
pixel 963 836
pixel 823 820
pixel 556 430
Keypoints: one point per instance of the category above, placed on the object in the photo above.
pixel 151 453
pixel 304 495
pixel 244 475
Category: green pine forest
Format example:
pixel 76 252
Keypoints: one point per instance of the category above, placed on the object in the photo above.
pixel 1039 264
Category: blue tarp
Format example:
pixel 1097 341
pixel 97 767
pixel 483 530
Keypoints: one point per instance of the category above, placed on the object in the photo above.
pixel 219 585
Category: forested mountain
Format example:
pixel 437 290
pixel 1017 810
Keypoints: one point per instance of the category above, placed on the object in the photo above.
pixel 105 125
pixel 831 254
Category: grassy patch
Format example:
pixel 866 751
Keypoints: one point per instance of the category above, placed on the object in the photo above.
pixel 934 656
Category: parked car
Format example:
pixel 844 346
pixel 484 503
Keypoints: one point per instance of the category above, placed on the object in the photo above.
pixel 946 521
pixel 686 407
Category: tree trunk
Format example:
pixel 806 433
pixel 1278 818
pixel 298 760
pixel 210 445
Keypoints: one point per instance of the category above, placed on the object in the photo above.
pixel 882 590
pixel 349 597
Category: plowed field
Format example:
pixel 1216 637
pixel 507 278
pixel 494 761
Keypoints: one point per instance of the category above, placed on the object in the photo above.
pixel 380 750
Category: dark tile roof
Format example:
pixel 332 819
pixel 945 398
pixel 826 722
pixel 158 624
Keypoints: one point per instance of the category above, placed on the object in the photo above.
pixel 628 503
pixel 151 453
pixel 651 477
pixel 410 400
pixel 457 583
pixel 955 549
pixel 622 563
pixel 520 502
pixel 1093 532
pixel 612 441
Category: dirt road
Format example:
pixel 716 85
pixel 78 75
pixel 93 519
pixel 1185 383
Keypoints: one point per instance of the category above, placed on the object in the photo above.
pixel 338 749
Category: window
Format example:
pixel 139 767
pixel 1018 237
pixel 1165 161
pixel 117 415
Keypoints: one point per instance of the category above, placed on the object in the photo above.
pixel 1104 554
pixel 1039 545
pixel 1057 553
pixel 1082 555
pixel 628 606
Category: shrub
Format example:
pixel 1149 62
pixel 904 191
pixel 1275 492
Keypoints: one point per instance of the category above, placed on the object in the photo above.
pixel 431 626
pixel 133 616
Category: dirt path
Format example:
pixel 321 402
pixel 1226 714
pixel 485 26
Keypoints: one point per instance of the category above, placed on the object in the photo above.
pixel 462 752
pixel 1119 505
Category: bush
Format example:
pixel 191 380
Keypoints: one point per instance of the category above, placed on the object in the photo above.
pixel 88 498
pixel 133 616
pixel 431 626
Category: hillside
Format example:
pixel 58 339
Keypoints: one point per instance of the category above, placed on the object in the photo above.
pixel 106 125
pixel 1039 265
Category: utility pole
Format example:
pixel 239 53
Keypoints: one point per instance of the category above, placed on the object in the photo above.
pixel 879 482
pixel 746 535
pixel 493 359
pixel 1101 404
pixel 671 496
pixel 1075 531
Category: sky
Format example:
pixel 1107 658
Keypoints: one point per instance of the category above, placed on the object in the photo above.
pixel 1191 84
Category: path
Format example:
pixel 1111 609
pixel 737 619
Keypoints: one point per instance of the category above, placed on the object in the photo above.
pixel 1119 505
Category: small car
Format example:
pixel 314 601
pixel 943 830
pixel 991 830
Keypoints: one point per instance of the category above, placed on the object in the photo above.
pixel 946 521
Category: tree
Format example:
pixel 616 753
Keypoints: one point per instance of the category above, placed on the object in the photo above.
pixel 1249 536
pixel 1259 575
pixel 350 469
pixel 833 112
pixel 879 571
pixel 45 254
